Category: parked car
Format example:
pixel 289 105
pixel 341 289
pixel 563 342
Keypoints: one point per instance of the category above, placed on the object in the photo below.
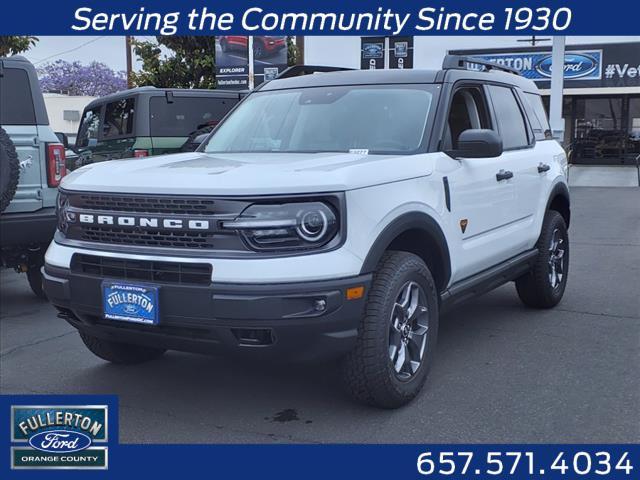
pixel 147 121
pixel 331 215
pixel 263 46
pixel 32 163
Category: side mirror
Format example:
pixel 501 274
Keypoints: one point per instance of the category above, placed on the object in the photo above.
pixel 478 143
pixel 64 140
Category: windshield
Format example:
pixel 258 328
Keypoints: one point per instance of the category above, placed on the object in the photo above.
pixel 375 118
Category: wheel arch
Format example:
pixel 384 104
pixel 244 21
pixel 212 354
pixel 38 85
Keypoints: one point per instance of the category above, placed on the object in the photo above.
pixel 560 201
pixel 417 233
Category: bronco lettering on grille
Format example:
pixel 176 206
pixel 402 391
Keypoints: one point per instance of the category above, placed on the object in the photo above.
pixel 149 222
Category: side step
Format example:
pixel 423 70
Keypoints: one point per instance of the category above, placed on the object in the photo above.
pixel 488 279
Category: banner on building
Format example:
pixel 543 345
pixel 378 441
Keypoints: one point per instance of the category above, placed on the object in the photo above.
pixel 232 59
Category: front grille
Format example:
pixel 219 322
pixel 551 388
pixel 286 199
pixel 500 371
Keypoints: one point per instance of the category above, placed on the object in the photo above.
pixel 184 208
pixel 143 204
pixel 146 270
pixel 147 238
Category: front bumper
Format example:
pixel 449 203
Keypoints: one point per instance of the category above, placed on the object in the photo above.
pixel 264 320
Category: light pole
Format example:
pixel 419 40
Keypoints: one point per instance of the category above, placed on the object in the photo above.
pixel 557 85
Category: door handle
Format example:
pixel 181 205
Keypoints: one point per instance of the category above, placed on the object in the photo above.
pixel 543 167
pixel 504 175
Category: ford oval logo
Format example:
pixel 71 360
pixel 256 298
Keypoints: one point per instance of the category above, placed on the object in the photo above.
pixel 576 65
pixel 60 441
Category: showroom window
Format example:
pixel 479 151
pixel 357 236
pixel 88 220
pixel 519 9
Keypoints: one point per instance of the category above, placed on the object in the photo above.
pixel 511 124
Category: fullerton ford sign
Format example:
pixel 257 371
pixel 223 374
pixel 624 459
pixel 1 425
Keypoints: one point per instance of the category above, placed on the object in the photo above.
pixel 578 64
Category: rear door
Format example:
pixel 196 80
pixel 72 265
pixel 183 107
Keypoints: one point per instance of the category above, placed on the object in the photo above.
pixel 520 161
pixel 18 118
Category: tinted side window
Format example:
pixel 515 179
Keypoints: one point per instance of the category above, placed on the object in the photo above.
pixel 538 116
pixel 468 110
pixel 511 123
pixel 16 103
pixel 118 118
pixel 185 114
pixel 89 128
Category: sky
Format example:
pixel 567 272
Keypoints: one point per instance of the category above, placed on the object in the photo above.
pixel 111 50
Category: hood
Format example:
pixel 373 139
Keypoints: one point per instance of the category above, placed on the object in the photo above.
pixel 247 174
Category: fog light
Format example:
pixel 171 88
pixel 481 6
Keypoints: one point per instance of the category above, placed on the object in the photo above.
pixel 320 305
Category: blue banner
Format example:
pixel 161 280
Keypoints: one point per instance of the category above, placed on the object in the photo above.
pixel 315 17
pixel 76 436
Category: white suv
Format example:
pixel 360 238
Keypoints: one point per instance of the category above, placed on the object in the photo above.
pixel 328 215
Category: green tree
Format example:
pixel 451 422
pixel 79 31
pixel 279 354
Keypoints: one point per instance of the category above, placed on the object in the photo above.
pixel 292 51
pixel 190 62
pixel 14 44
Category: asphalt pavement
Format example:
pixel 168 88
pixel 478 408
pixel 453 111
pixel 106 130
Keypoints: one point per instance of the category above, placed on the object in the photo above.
pixel 503 373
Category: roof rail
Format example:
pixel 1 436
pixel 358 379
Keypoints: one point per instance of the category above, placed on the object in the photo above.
pixel 460 62
pixel 299 70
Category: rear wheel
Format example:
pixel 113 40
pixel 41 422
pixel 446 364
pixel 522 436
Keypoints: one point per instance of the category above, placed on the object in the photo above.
pixel 120 353
pixel 397 334
pixel 544 285
pixel 9 170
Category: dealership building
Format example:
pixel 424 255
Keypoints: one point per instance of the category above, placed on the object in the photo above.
pixel 601 96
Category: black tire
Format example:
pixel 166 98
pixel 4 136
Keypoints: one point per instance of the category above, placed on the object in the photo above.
pixel 536 289
pixel 120 353
pixel 34 276
pixel 368 372
pixel 9 170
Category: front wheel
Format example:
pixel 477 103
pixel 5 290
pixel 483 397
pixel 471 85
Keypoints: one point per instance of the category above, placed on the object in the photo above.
pixel 120 353
pixel 397 334
pixel 544 285
pixel 34 276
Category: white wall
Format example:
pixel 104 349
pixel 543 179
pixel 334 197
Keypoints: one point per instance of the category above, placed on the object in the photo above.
pixel 56 105
pixel 428 51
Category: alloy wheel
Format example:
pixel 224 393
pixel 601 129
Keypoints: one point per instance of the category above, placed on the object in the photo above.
pixel 556 259
pixel 408 330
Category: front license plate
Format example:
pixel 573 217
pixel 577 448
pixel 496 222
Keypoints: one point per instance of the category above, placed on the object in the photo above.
pixel 130 303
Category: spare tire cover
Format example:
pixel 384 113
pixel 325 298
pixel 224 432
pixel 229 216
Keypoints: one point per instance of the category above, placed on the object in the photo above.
pixel 9 170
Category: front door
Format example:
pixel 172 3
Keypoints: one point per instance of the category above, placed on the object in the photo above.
pixel 483 197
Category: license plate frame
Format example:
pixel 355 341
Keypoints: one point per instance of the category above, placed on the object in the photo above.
pixel 131 302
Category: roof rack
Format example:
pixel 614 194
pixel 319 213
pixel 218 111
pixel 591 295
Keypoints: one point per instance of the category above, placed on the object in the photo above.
pixel 459 62
pixel 299 70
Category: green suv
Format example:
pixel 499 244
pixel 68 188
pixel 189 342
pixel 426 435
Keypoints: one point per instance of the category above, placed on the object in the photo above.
pixel 148 121
pixel 32 163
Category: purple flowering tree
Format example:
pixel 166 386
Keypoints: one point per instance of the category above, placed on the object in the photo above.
pixel 72 78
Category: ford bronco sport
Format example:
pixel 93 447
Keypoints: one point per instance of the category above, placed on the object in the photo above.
pixel 329 215
pixel 32 163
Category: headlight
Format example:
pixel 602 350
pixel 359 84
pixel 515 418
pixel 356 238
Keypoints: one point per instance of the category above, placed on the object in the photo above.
pixel 287 226
pixel 65 216
pixel 62 203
